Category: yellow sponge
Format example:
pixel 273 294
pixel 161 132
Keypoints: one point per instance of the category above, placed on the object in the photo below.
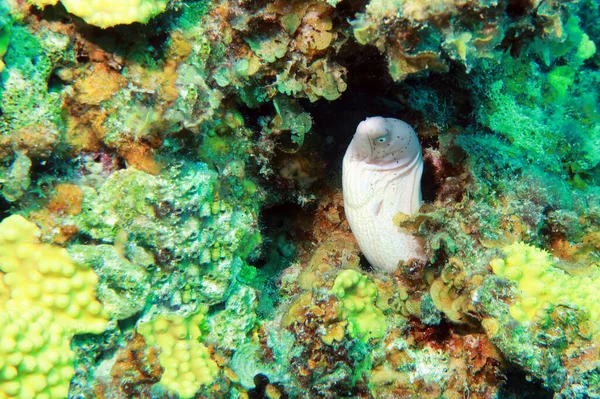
pixel 186 361
pixel 358 296
pixel 106 13
pixel 542 286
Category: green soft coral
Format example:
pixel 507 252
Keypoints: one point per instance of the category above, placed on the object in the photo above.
pixel 5 30
pixel 545 103
pixel 358 295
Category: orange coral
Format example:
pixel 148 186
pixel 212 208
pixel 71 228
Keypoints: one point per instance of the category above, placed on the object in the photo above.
pixel 35 141
pixel 135 370
pixel 85 131
pixel 66 200
pixel 97 83
pixel 140 155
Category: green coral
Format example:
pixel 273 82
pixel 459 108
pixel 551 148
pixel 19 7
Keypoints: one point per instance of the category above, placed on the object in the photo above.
pixel 27 98
pixel 5 30
pixel 358 295
pixel 229 327
pixel 547 109
pixel 124 282
pixel 176 213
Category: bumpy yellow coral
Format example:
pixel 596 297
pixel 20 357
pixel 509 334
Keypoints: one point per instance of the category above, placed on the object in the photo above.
pixel 44 300
pixel 542 286
pixel 44 276
pixel 358 295
pixel 35 358
pixel 106 13
pixel 186 361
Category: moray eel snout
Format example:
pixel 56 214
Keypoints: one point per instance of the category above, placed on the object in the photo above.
pixel 382 173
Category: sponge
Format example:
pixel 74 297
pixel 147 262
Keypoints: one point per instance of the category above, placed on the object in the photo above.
pixel 358 294
pixel 107 13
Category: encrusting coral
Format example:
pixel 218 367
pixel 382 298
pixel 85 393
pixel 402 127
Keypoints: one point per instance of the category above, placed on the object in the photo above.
pixel 186 362
pixel 358 294
pixel 46 298
pixel 541 286
pixel 106 13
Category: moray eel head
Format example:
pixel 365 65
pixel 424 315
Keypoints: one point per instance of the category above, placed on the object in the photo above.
pixel 385 141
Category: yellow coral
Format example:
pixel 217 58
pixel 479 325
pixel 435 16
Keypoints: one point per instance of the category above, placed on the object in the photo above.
pixel 106 13
pixel 35 358
pixel 358 295
pixel 186 361
pixel 40 275
pixel 44 300
pixel 542 286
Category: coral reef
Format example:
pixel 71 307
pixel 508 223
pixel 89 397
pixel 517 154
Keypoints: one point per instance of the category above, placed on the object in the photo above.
pixel 176 167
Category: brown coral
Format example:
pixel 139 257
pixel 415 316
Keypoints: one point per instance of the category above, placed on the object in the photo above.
pixel 135 369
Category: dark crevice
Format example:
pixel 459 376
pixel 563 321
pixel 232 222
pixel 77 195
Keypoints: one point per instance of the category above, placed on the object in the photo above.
pixel 519 386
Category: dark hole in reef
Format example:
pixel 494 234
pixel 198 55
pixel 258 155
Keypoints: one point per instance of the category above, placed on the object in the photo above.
pixel 252 115
pixel 259 261
pixel 261 382
pixel 51 13
pixel 429 185
pixel 519 8
pixel 347 9
pixel 55 166
pixel 347 389
pixel 129 323
pixel 517 386
pixel 277 224
pixel 4 207
pixel 280 235
pixel 364 264
pixel 369 93
pixel 55 83
pixel 184 142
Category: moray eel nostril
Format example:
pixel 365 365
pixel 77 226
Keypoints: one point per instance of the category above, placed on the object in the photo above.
pixel 381 177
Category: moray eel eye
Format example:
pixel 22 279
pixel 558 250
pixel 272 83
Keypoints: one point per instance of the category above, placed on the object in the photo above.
pixel 381 139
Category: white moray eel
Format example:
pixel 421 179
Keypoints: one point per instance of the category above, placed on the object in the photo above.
pixel 381 177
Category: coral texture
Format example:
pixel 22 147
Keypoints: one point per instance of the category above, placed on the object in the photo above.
pixel 106 13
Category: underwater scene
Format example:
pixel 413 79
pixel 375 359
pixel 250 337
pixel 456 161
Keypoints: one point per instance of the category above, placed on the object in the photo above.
pixel 250 199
